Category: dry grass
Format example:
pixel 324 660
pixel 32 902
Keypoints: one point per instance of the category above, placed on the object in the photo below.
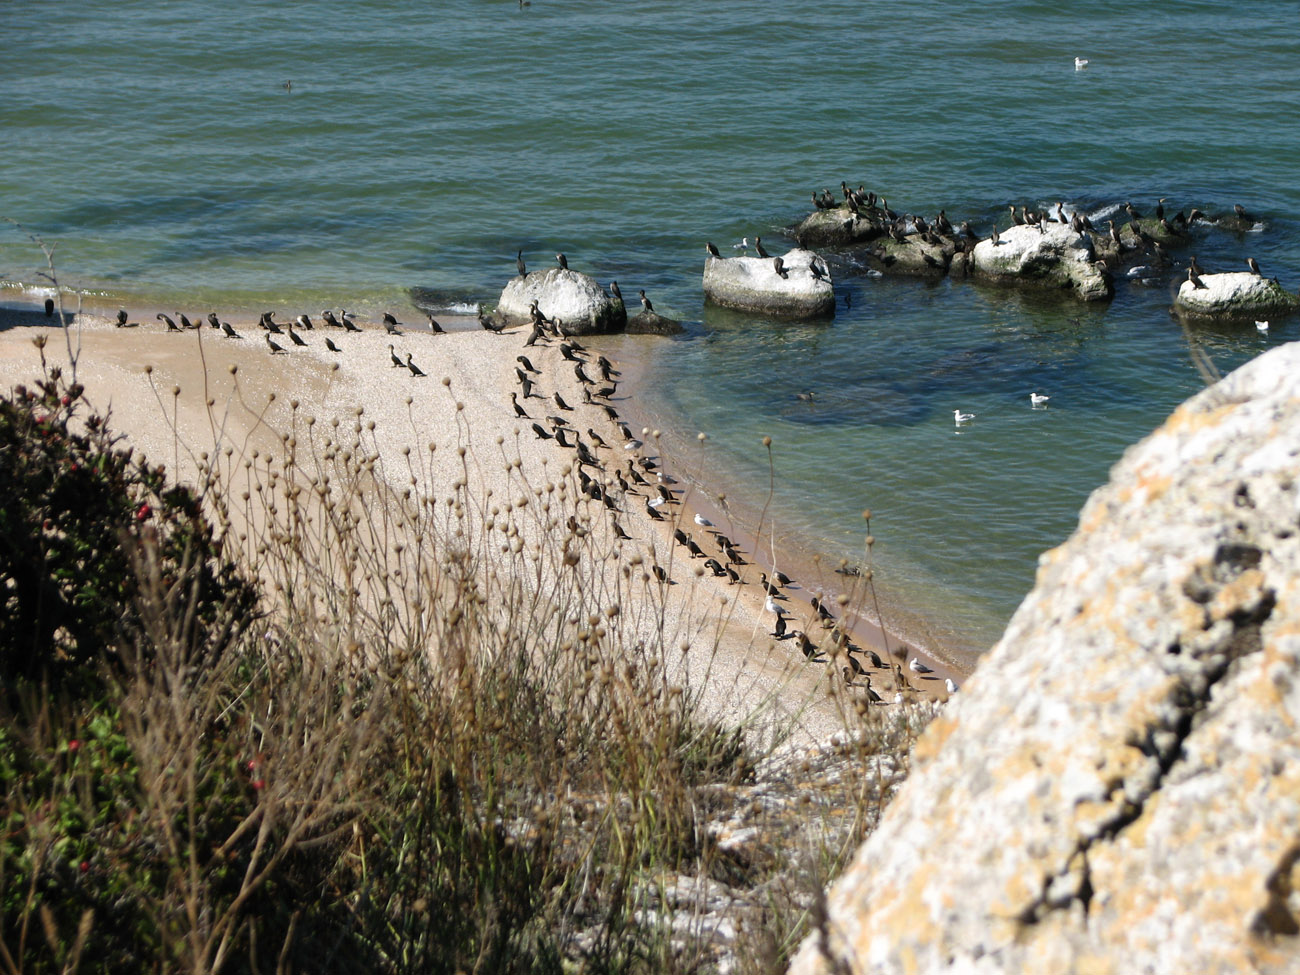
pixel 458 734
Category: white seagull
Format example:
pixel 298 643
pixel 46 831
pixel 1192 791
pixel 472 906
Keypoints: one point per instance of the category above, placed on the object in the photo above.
pixel 1262 326
pixel 916 667
pixel 1080 64
pixel 959 417
pixel 771 606
pixel 702 521
pixel 655 502
pixel 1038 399
pixel 743 245
pixel 950 685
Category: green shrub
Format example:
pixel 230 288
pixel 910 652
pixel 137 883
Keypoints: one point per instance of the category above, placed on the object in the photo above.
pixel 74 510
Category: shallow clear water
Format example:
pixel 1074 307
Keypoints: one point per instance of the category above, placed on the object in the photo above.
pixel 421 145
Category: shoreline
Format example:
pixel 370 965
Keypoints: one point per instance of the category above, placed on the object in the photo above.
pixel 743 518
pixel 758 667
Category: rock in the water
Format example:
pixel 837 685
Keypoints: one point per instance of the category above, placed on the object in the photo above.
pixel 1117 789
pixel 650 323
pixel 1054 257
pixel 752 284
pixel 909 256
pixel 1235 294
pixel 840 227
pixel 574 300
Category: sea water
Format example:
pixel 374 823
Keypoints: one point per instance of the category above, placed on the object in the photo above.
pixel 302 155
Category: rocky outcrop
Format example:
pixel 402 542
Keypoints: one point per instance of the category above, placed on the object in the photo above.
pixel 575 301
pixel 753 284
pixel 840 227
pixel 1117 789
pixel 1054 257
pixel 911 255
pixel 1234 295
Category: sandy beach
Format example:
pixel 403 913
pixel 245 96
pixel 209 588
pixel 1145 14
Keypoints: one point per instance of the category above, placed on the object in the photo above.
pixel 175 395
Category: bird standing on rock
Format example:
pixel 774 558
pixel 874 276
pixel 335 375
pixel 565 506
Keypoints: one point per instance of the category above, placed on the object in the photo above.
pixel 759 249
pixel 563 261
pixel 713 251
pixel 1254 267
pixel 778 265
pixel 645 302
pixel 519 263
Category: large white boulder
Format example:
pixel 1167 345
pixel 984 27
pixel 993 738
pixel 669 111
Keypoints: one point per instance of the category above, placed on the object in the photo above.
pixel 1235 294
pixel 574 300
pixel 1055 257
pixel 753 284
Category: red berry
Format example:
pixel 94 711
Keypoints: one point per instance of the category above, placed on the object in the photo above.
pixel 84 866
pixel 144 512
pixel 66 400
pixel 74 744
pixel 259 783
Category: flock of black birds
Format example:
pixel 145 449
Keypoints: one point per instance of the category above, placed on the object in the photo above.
pixel 639 477
pixel 940 232
pixel 344 321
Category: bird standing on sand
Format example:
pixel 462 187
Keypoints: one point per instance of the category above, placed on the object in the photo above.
pixel 185 322
pixel 523 361
pixel 230 332
pixel 561 404
pixel 916 667
pixel 275 349
pixel 294 337
pixel 390 324
pixel 329 344
pixel 645 302
pixel 702 521
pixel 121 318
pixel 392 355
pixel 171 325
pixel 950 685
pixel 349 325
pixel 304 323
pixel 434 326
pixel 415 370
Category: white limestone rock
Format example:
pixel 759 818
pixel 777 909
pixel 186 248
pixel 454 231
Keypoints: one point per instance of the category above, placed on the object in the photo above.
pixel 1053 257
pixel 1117 789
pixel 574 300
pixel 752 284
pixel 1236 294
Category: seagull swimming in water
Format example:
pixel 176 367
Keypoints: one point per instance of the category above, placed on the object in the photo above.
pixel 1262 326
pixel 959 417
pixel 1038 399
pixel 1080 64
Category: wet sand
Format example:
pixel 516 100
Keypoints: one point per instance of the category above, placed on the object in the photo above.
pixel 174 395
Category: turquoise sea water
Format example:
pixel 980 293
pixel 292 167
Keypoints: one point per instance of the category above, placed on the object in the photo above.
pixel 421 144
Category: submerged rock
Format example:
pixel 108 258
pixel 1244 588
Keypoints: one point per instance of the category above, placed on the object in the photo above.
pixel 574 300
pixel 651 323
pixel 1235 294
pixel 753 284
pixel 1117 789
pixel 1055 257
pixel 913 255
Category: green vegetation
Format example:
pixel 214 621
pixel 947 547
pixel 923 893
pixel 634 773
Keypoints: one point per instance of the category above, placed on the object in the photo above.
pixel 296 719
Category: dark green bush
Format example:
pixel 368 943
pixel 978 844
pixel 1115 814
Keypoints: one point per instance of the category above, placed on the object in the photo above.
pixel 74 510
